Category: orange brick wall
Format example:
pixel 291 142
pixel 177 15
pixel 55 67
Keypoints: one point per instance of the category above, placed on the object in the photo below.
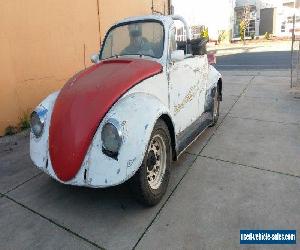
pixel 43 43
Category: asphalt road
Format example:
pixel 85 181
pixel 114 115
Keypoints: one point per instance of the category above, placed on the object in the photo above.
pixel 255 61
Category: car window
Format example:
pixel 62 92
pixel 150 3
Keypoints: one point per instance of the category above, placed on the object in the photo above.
pixel 181 36
pixel 172 45
pixel 137 38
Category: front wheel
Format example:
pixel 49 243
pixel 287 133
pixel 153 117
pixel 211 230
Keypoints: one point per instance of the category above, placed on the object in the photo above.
pixel 215 108
pixel 150 182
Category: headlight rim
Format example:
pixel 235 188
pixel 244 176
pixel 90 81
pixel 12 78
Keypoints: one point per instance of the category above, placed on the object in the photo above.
pixel 41 113
pixel 117 126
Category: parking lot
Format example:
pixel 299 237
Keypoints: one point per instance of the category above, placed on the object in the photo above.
pixel 242 174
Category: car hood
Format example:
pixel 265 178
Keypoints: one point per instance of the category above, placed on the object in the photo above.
pixel 82 104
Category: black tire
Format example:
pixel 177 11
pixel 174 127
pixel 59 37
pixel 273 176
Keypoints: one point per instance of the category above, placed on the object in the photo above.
pixel 139 183
pixel 215 111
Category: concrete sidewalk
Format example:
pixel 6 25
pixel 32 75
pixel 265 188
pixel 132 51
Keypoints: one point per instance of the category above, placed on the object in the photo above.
pixel 250 47
pixel 242 174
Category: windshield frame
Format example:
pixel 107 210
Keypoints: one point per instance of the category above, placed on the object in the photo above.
pixel 132 22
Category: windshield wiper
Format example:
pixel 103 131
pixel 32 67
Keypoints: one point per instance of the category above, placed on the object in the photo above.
pixel 116 56
pixel 138 55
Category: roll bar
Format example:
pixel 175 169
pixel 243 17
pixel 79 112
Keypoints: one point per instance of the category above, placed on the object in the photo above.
pixel 186 26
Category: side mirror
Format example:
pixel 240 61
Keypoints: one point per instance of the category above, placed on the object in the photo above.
pixel 177 55
pixel 95 58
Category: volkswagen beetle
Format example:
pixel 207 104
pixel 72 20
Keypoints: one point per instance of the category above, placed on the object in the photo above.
pixel 125 118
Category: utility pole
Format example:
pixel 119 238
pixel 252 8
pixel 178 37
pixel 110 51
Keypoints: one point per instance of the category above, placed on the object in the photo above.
pixel 293 39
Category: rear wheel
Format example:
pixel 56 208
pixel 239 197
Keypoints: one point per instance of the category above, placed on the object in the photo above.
pixel 215 108
pixel 150 182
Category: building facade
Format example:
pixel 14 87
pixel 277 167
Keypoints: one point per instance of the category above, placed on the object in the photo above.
pixel 44 43
pixel 267 16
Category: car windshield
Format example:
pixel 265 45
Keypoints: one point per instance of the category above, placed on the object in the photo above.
pixel 144 38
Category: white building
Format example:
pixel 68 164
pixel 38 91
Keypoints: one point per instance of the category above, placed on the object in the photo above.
pixel 272 16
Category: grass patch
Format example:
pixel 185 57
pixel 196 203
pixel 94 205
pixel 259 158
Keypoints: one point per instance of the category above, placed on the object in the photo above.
pixel 11 130
pixel 23 124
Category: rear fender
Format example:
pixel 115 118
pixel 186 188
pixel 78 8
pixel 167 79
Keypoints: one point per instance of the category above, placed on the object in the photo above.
pixel 214 82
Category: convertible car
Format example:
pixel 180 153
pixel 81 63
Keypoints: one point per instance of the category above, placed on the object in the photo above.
pixel 127 117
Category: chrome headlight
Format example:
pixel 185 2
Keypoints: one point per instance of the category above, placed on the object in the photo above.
pixel 111 136
pixel 37 121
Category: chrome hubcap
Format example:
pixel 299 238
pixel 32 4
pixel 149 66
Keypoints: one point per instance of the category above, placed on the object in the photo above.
pixel 156 162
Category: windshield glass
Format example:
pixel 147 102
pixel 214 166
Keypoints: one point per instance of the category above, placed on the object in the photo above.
pixel 139 38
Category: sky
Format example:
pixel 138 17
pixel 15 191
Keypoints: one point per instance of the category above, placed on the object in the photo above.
pixel 215 14
pixel 203 12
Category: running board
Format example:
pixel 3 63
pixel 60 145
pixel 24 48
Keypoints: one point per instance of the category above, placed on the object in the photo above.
pixel 191 133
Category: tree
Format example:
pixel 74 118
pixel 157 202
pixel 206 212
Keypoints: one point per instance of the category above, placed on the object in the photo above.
pixel 245 21
pixel 204 33
pixel 242 30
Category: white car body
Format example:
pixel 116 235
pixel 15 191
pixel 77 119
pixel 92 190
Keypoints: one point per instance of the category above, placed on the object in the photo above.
pixel 169 95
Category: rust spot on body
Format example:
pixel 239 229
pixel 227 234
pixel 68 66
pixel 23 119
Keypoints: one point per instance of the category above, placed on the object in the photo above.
pixel 188 98
pixel 130 162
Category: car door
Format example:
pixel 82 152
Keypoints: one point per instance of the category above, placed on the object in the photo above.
pixel 202 67
pixel 186 88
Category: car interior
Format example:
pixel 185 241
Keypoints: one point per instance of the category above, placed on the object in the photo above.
pixel 193 47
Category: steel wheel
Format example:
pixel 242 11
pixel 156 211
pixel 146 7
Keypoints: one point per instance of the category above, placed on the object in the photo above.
pixel 150 182
pixel 156 162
